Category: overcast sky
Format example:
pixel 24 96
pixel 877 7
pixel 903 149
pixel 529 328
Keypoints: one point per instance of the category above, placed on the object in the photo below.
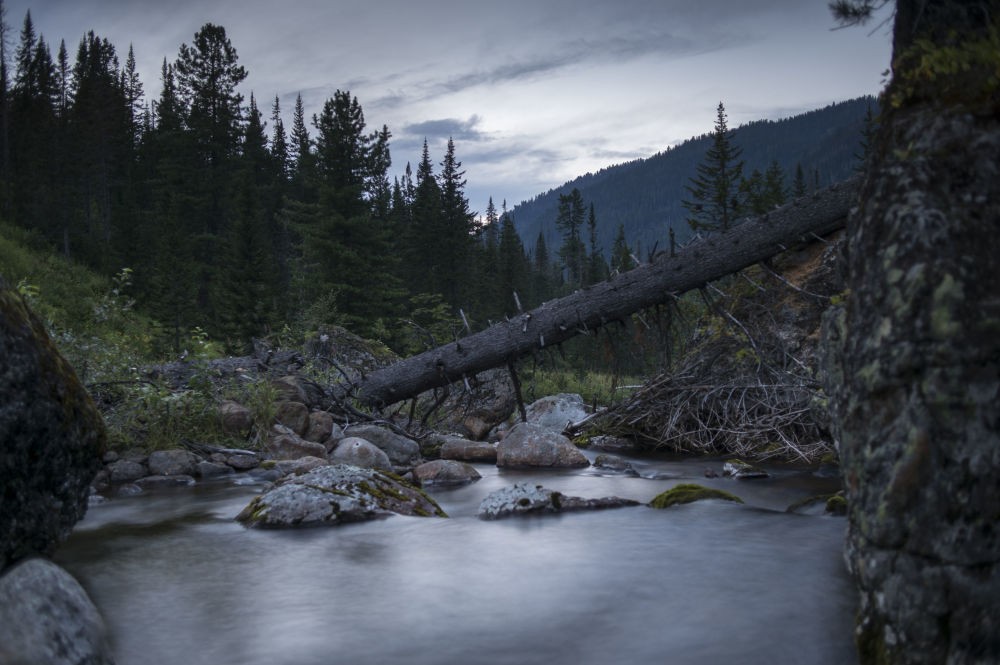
pixel 534 92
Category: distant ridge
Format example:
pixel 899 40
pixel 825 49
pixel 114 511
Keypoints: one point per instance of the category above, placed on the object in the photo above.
pixel 645 194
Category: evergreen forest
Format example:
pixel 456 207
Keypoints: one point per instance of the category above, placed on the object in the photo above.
pixel 221 223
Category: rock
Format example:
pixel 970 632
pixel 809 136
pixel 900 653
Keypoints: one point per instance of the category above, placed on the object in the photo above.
pixel 128 489
pixel 296 467
pixel 52 437
pixel 689 492
pixel 291 446
pixel 320 427
pixel 47 618
pixel 294 416
pixel 125 471
pixel 523 498
pixel 743 470
pixel 612 444
pixel 331 495
pixel 360 452
pixel 612 463
pixel 401 450
pixel 158 482
pixel 109 457
pixel 293 388
pixel 445 472
pixel 172 463
pixel 556 411
pixel 457 448
pixel 242 462
pixel 531 445
pixel 213 470
pixel 236 419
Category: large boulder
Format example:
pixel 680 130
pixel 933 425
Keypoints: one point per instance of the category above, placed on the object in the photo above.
pixel 531 445
pixel 360 452
pixel 51 437
pixel 47 618
pixel 523 499
pixel 555 412
pixel 338 494
pixel 401 450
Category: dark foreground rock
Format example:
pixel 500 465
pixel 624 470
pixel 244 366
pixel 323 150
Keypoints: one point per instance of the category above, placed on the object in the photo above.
pixel 523 498
pixel 46 618
pixel 331 495
pixel 51 434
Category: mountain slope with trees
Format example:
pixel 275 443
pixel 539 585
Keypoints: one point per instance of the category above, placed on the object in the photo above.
pixel 645 196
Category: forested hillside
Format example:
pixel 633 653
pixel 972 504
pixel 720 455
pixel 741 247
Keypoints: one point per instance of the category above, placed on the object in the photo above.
pixel 231 227
pixel 644 196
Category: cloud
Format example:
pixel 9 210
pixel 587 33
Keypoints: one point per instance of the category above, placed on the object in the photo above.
pixel 464 130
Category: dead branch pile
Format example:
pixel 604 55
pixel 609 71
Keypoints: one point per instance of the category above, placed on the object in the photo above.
pixel 746 384
pixel 739 415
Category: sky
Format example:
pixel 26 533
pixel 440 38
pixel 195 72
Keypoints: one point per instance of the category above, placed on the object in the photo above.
pixel 533 92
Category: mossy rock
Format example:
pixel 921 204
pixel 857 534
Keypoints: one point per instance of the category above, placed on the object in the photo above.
pixel 688 493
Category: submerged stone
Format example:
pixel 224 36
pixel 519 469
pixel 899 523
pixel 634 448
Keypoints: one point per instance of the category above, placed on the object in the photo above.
pixel 739 469
pixel 688 493
pixel 338 494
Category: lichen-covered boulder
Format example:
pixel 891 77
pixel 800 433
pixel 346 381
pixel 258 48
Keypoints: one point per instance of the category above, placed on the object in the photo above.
pixel 531 445
pixel 445 472
pixel 401 450
pixel 47 617
pixel 523 498
pixel 689 493
pixel 360 452
pixel 338 494
pixel 51 437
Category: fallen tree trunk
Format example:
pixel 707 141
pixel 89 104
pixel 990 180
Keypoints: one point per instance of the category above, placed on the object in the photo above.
pixel 586 310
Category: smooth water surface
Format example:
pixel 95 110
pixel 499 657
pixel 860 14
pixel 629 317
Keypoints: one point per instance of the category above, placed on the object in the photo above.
pixel 713 582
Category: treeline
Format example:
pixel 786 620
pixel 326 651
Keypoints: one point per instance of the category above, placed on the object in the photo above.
pixel 238 227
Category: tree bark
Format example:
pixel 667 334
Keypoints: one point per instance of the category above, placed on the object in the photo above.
pixel 914 357
pixel 590 308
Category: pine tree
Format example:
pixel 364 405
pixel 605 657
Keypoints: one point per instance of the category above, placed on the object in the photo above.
pixel 455 238
pixel 279 142
pixel 799 188
pixel 597 267
pixel 572 252
pixel 621 255
pixel 513 269
pixel 715 201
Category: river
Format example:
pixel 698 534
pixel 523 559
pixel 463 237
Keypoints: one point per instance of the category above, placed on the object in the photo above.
pixel 180 583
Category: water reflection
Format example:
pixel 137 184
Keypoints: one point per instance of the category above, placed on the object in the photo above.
pixel 179 582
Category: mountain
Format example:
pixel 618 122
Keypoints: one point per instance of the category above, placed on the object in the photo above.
pixel 645 195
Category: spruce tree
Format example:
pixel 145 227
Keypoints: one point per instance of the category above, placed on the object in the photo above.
pixel 715 201
pixel 573 251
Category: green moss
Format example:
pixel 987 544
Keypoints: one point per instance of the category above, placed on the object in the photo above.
pixel 836 505
pixel 688 492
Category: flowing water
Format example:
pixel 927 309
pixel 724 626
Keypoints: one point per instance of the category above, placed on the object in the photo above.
pixel 180 583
